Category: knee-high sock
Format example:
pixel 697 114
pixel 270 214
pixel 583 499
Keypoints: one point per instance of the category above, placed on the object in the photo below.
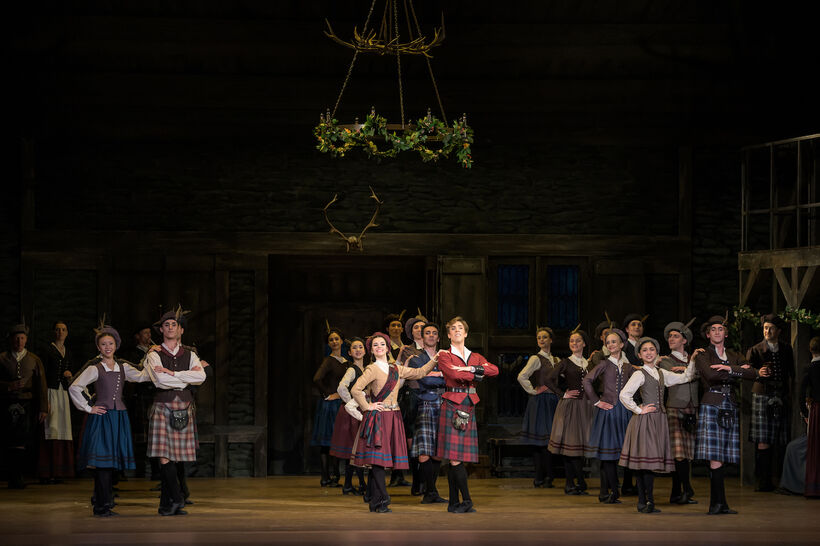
pixel 628 477
pixel 360 475
pixel 416 472
pixel 436 467
pixel 716 492
pixel 103 492
pixel 452 481
pixel 334 468
pixel 649 485
pixel 539 464
pixel 682 472
pixel 676 482
pixel 604 479
pixel 641 486
pixel 182 476
pixel 378 485
pixel 569 470
pixel 461 476
pixel 609 477
pixel 426 470
pixel 546 458
pixel 174 492
pixel 764 467
pixel 578 463
pixel 324 459
pixel 349 475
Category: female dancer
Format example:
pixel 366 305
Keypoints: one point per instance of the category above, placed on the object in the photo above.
pixel 607 435
pixel 541 405
pixel 106 442
pixel 346 425
pixel 327 379
pixel 573 414
pixel 57 451
pixel 381 442
pixel 646 443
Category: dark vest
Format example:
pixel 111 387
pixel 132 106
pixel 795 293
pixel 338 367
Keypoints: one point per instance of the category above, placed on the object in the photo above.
pixel 539 378
pixel 109 387
pixel 179 363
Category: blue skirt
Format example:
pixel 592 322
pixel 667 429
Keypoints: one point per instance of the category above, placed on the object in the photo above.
pixel 606 438
pixel 326 411
pixel 537 425
pixel 107 441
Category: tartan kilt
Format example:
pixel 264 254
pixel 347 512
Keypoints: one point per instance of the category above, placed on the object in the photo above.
pixel 166 442
pixel 344 435
pixel 681 440
pixel 393 451
pixel 763 427
pixel 537 425
pixel 425 438
pixel 457 445
pixel 716 443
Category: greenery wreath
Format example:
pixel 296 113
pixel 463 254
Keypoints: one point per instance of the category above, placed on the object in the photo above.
pixel 338 140
pixel 741 314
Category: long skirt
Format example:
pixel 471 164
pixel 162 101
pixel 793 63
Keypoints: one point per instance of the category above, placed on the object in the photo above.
pixel 813 452
pixel 646 444
pixel 344 434
pixel 425 437
pixel 681 438
pixel 537 425
pixel 794 466
pixel 716 443
pixel 606 438
pixel 454 444
pixel 570 427
pixel 766 428
pixel 106 441
pixel 326 411
pixel 392 453
pixel 165 441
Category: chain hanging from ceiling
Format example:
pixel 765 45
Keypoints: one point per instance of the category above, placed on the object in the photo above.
pixel 377 137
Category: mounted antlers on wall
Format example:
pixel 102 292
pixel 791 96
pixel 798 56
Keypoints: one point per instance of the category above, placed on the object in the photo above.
pixel 354 242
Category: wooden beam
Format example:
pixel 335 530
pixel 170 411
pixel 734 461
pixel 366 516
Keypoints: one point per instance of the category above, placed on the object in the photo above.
pixel 801 292
pixel 746 288
pixel 260 385
pixel 769 259
pixel 785 287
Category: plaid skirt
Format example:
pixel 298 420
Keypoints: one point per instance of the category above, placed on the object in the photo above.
pixel 393 451
pixel 537 425
pixel 167 442
pixel 570 427
pixel 606 438
pixel 326 411
pixel 344 434
pixel 457 445
pixel 716 443
pixel 681 440
pixel 764 428
pixel 425 437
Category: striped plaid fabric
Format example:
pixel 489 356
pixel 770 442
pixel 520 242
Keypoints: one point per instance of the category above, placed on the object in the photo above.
pixel 681 440
pixel 457 445
pixel 764 428
pixel 714 442
pixel 166 442
pixel 426 433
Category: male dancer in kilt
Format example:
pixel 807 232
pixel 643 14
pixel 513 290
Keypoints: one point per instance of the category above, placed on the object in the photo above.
pixel 682 407
pixel 172 429
pixel 425 435
pixel 770 398
pixel 718 428
pixel 457 432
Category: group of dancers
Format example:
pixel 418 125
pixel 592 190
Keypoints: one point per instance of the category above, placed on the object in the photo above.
pixel 623 404
pixel 106 446
pixel 359 418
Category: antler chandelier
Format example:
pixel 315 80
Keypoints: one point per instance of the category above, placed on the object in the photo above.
pixel 337 139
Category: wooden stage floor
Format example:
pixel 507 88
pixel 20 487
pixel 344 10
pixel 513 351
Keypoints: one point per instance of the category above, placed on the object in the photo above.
pixel 295 510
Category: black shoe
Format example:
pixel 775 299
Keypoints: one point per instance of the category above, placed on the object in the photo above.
pixel 784 491
pixel 348 491
pixel 366 497
pixel 603 497
pixel 581 490
pixel 684 499
pixel 538 483
pixel 548 484
pixel 452 507
pixel 676 499
pixel 629 491
pixel 650 509
pixel 324 483
pixel 571 490
pixel 382 509
pixel 641 507
pixel 465 507
pixel 715 509
pixel 188 502
pixel 172 510
pixel 433 498
pixel 582 485
pixel 105 514
pixel 724 509
pixel 612 499
pixel 400 483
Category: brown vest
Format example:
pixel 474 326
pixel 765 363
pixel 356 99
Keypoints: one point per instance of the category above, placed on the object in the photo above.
pixel 179 363
pixel 109 387
pixel 539 378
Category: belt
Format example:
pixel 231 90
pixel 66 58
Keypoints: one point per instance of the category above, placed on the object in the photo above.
pixel 470 390
pixel 724 390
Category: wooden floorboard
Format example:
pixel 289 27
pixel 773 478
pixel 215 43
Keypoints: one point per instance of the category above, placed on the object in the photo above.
pixel 295 510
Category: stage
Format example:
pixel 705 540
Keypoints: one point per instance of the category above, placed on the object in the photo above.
pixel 295 510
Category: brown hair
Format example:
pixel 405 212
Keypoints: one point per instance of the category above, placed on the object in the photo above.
pixel 455 319
pixel 814 345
